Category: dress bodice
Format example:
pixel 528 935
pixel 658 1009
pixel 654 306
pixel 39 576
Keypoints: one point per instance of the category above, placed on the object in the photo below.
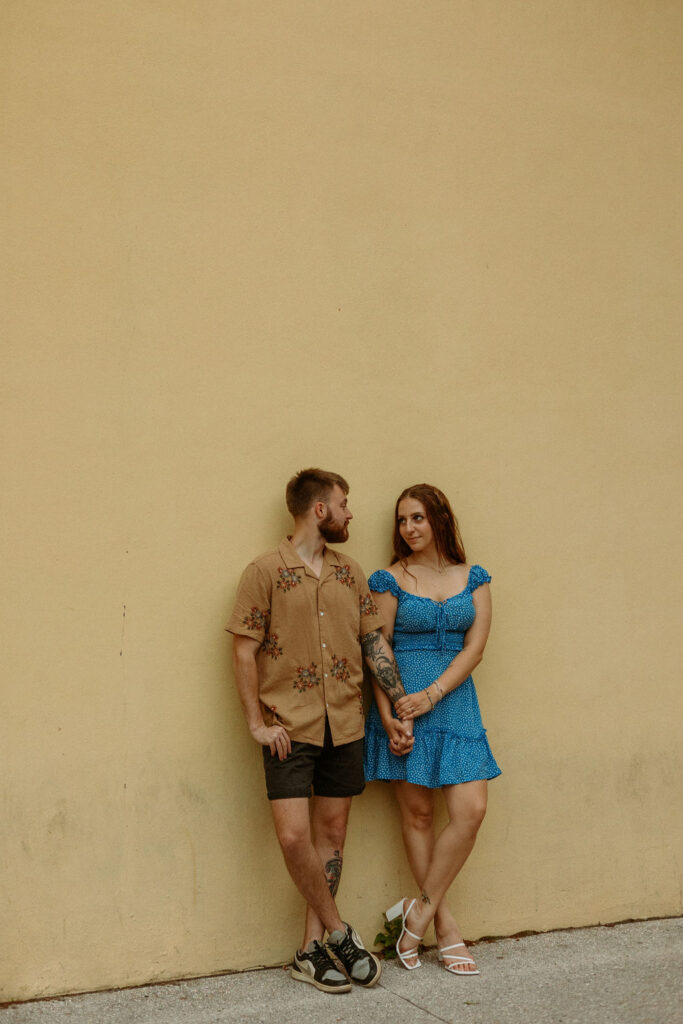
pixel 423 624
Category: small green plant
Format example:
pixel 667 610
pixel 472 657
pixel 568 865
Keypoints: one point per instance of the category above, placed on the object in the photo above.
pixel 389 937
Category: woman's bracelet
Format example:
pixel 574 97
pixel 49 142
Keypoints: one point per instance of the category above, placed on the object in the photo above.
pixel 429 696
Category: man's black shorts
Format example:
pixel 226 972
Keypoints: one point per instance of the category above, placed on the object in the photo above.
pixel 330 770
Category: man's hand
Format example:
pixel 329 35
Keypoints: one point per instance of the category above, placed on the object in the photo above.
pixel 401 738
pixel 274 736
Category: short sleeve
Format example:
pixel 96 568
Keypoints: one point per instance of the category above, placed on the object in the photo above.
pixel 478 575
pixel 381 581
pixel 251 614
pixel 370 618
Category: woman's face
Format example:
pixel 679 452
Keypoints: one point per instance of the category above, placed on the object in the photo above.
pixel 413 525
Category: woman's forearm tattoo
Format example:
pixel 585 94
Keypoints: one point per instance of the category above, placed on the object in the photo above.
pixel 333 872
pixel 382 663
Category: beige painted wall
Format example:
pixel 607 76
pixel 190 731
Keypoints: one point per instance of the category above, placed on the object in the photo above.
pixel 401 240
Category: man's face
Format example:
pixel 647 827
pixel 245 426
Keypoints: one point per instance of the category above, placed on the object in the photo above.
pixel 335 526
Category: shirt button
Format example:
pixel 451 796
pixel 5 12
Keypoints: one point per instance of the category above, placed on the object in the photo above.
pixel 322 613
pixel 326 675
pixel 324 645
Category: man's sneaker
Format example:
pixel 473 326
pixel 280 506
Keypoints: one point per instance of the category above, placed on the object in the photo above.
pixel 360 965
pixel 316 966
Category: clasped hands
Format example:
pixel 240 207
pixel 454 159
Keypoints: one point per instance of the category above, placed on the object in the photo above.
pixel 400 730
pixel 400 735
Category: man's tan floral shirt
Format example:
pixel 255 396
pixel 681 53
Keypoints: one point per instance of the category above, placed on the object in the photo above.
pixel 310 662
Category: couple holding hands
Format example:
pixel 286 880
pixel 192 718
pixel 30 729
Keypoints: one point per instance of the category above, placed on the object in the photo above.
pixel 304 621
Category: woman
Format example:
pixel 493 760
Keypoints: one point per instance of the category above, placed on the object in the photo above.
pixel 437 614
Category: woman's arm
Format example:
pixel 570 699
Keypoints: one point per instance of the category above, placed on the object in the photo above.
pixel 462 665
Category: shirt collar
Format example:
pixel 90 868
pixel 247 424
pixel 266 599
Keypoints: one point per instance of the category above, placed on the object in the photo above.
pixel 293 560
pixel 290 556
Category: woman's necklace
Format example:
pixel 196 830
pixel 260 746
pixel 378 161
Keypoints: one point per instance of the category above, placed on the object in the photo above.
pixel 440 569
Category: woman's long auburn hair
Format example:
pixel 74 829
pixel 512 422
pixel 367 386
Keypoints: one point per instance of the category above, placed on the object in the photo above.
pixel 447 539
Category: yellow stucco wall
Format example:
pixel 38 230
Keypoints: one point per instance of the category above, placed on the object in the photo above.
pixel 405 241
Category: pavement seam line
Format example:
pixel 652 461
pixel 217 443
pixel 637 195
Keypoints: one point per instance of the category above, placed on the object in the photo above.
pixel 416 1005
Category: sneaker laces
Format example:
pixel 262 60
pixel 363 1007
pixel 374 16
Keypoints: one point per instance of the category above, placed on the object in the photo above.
pixel 319 956
pixel 348 950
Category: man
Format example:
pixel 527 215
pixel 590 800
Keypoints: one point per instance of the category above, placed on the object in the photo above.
pixel 303 621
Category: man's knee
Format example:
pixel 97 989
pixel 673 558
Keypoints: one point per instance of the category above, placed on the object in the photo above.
pixel 292 825
pixel 335 839
pixel 330 818
pixel 293 840
pixel 332 832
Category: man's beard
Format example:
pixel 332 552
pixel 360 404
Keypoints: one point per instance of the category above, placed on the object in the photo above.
pixel 332 532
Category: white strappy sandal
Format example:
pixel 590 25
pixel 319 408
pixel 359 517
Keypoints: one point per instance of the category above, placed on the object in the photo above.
pixel 452 968
pixel 399 910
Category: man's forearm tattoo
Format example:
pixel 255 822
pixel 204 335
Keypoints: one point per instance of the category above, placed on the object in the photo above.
pixel 380 659
pixel 333 872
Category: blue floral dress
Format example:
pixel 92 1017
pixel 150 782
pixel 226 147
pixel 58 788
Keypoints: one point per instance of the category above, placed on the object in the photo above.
pixel 450 741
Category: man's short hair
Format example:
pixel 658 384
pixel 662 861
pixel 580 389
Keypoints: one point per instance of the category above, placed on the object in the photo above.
pixel 309 486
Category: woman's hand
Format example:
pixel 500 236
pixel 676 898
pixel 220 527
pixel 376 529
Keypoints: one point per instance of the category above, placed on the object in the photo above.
pixel 400 735
pixel 415 704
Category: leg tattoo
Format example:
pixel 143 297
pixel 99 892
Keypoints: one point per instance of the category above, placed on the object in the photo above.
pixel 425 898
pixel 333 870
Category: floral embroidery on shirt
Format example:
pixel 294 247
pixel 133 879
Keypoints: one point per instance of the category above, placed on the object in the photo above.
pixel 343 575
pixel 288 579
pixel 340 669
pixel 306 679
pixel 271 646
pixel 257 618
pixel 368 606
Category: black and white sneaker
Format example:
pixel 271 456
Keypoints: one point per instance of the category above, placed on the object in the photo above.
pixel 358 962
pixel 316 966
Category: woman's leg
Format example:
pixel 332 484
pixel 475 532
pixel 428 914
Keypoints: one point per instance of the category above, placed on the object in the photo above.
pixel 466 805
pixel 416 804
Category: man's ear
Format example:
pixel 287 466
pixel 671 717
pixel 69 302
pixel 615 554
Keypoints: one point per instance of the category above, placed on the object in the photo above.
pixel 320 509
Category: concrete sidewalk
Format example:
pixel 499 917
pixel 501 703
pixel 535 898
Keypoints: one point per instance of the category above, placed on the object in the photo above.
pixel 624 974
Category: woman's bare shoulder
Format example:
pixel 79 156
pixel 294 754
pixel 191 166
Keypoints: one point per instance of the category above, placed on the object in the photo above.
pixel 402 575
pixel 393 570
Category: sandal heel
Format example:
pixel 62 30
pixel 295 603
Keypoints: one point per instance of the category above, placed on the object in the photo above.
pixel 405 956
pixel 393 912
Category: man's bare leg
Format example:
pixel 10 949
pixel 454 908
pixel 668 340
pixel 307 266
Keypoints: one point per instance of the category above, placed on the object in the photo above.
pixel 293 830
pixel 328 823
